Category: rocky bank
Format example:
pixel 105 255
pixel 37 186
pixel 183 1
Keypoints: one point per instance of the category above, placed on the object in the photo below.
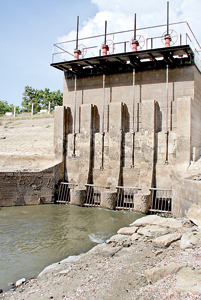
pixel 154 258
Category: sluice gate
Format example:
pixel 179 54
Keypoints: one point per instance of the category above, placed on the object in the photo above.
pixel 161 201
pixel 64 192
pixel 93 195
pixel 125 197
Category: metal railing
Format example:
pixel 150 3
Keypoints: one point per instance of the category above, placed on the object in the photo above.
pixel 161 200
pixel 93 194
pixel 126 197
pixel 64 192
pixel 120 42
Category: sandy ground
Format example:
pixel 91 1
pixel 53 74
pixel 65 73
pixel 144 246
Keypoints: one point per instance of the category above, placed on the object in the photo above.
pixel 112 272
pixel 26 145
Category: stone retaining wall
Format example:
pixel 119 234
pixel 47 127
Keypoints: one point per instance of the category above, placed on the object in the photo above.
pixel 26 188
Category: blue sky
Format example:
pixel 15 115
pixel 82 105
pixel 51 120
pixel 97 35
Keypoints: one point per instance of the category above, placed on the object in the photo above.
pixel 28 29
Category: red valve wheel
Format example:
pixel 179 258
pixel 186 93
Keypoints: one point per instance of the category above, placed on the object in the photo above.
pixel 111 46
pixel 141 41
pixel 173 35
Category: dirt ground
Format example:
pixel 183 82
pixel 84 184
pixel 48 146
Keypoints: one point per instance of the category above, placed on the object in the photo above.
pixel 111 271
pixel 26 145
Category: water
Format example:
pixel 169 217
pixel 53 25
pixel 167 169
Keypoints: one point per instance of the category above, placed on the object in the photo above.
pixel 33 237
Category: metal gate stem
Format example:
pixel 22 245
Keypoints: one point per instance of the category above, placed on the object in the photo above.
pixel 74 121
pixel 132 165
pixel 167 132
pixel 102 160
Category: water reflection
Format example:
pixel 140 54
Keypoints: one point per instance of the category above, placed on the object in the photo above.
pixel 33 237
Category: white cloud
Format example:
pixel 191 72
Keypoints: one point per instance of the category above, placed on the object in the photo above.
pixel 120 15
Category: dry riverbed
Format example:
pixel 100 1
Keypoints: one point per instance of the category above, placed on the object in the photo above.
pixel 154 258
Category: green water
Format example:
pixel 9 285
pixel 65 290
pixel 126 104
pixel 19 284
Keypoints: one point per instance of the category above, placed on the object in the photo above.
pixel 33 237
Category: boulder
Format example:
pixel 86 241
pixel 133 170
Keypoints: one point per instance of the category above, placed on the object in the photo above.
pixel 118 239
pixel 171 223
pixel 49 269
pixel 156 220
pixel 147 220
pixel 20 282
pixel 188 240
pixel 194 214
pixel 104 250
pixel 127 230
pixel 124 251
pixel 165 240
pixel 134 237
pixel 188 280
pixel 152 230
pixel 198 236
pixel 71 259
pixel 155 274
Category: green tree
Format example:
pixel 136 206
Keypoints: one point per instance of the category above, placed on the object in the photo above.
pixel 28 98
pixel 5 107
pixel 40 99
pixel 46 98
pixel 56 99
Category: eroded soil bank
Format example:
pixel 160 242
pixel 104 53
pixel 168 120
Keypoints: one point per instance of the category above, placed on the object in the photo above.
pixel 154 258
pixel 26 145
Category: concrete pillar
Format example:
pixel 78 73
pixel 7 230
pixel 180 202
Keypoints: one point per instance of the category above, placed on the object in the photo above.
pixel 147 145
pixel 77 197
pixel 86 145
pixel 148 115
pixel 142 202
pixel 184 130
pixel 115 144
pixel 108 199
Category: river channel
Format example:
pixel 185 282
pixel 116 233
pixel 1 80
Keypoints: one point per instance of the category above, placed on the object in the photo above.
pixel 33 237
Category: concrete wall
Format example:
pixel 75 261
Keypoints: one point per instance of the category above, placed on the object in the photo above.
pixel 26 188
pixel 196 117
pixel 150 84
pixel 185 193
pixel 146 156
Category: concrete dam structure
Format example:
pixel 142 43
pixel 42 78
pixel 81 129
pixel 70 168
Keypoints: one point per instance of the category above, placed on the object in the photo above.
pixel 128 135
pixel 129 131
